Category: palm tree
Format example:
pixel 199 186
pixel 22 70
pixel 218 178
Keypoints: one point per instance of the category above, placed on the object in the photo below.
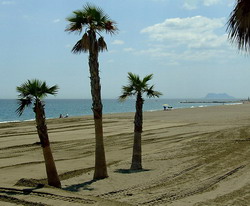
pixel 137 87
pixel 239 25
pixel 92 21
pixel 32 92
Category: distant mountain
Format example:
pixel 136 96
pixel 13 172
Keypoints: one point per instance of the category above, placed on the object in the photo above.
pixel 218 96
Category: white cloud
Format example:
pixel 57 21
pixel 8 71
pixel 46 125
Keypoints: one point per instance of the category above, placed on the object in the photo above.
pixel 190 4
pixel 211 2
pixel 118 42
pixel 56 20
pixel 194 4
pixel 8 2
pixel 191 39
pixel 128 49
pixel 112 51
pixel 193 32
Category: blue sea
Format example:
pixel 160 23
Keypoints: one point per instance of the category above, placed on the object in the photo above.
pixel 80 107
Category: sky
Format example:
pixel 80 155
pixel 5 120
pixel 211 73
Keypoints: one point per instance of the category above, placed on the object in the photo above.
pixel 183 43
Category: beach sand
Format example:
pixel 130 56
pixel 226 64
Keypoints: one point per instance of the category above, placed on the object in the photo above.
pixel 191 157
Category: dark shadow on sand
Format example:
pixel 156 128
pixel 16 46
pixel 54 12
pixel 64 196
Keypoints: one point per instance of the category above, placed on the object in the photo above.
pixel 83 186
pixel 13 191
pixel 129 171
pixel 28 191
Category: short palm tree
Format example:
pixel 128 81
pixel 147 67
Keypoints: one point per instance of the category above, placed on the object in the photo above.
pixel 137 87
pixel 32 92
pixel 239 25
pixel 92 20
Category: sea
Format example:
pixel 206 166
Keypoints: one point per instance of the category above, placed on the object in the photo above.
pixel 81 107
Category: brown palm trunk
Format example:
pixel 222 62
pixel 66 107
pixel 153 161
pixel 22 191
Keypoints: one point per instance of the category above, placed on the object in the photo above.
pixel 53 179
pixel 100 160
pixel 137 150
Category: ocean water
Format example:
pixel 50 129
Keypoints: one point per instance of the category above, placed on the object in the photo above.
pixel 79 107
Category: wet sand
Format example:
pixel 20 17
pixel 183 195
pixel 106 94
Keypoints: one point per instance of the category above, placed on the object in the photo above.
pixel 191 157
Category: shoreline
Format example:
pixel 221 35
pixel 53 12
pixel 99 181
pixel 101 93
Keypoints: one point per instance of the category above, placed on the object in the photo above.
pixel 191 107
pixel 211 102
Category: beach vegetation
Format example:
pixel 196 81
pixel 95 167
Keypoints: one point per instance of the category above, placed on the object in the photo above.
pixel 137 87
pixel 32 92
pixel 92 20
pixel 238 25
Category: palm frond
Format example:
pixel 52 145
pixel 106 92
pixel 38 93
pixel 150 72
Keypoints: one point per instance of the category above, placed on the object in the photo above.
pixel 127 91
pixel 133 79
pixel 93 13
pixel 33 90
pixel 85 42
pixel 147 78
pixel 77 21
pixel 53 90
pixel 23 90
pixel 74 27
pixel 238 25
pixel 150 92
pixel 111 27
pixel 22 104
pixel 79 47
pixel 137 86
pixel 91 17
pixel 102 44
pixel 123 97
pixel 43 89
pixel 36 88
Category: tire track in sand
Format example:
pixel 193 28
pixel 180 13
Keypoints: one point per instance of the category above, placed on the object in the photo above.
pixel 128 191
pixel 12 191
pixel 164 198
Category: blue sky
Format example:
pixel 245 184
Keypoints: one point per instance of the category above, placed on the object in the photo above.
pixel 182 42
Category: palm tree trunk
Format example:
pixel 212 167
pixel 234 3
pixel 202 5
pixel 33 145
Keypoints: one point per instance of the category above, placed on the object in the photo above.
pixel 100 160
pixel 52 175
pixel 138 121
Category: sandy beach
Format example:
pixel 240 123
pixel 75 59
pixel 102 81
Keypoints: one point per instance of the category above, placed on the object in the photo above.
pixel 191 157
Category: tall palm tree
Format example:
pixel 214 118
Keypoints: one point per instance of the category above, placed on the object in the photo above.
pixel 32 92
pixel 238 25
pixel 137 87
pixel 92 21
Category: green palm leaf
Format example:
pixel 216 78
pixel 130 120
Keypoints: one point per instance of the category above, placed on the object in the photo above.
pixel 150 92
pixel 138 86
pixel 22 104
pixel 52 90
pixel 127 92
pixel 90 18
pixel 146 79
pixel 32 90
